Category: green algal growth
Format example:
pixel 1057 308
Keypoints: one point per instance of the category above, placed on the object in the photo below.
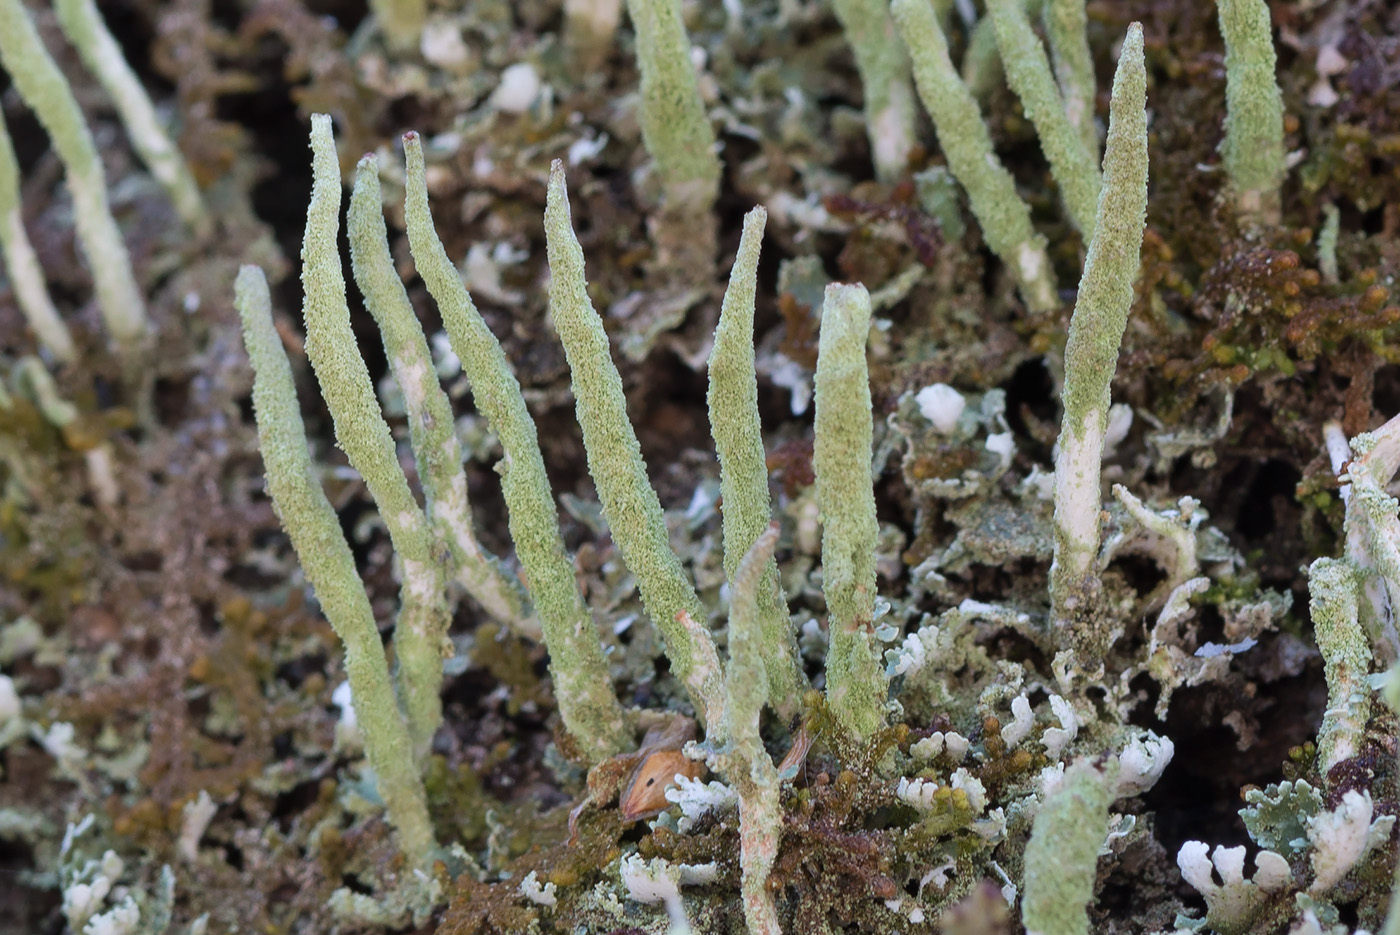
pixel 734 425
pixel 963 137
pixel 582 685
pixel 1028 73
pixel 841 460
pixel 42 86
pixel 312 525
pixel 431 425
pixel 1095 332
pixel 1062 854
pixel 630 505
pixel 884 77
pixel 26 277
pixel 83 25
pixel 360 430
pixel 1253 146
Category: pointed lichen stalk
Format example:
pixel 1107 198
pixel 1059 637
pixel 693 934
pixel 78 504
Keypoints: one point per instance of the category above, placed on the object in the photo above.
pixel 963 137
pixel 26 277
pixel 841 459
pixel 582 685
pixel 1028 73
pixel 734 425
pixel 45 90
pixel 83 25
pixel 1095 332
pixel 1253 146
pixel 325 556
pixel 630 504
pixel 432 428
pixel 420 634
pixel 884 77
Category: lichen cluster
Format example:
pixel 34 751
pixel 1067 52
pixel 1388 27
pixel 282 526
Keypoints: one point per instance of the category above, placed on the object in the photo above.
pixel 1009 545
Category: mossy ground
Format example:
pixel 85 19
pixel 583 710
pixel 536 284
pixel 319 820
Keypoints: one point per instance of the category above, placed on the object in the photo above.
pixel 173 630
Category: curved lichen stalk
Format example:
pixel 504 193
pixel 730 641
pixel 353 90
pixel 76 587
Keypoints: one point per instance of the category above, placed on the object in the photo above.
pixel 313 527
pixel 1005 218
pixel 630 504
pixel 582 684
pixel 421 631
pixel 432 429
pixel 42 86
pixel 21 263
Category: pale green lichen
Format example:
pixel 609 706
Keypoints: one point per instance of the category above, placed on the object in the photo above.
pixel 1028 73
pixel 1095 331
pixel 734 424
pixel 1333 588
pixel 420 636
pixel 1067 28
pixel 432 428
pixel 884 76
pixel 747 764
pixel 1253 146
pixel 963 137
pixel 1062 855
pixel 85 28
pixel 26 278
pixel 841 456
pixel 581 682
pixel 312 525
pixel 42 86
pixel 630 504
pixel 675 127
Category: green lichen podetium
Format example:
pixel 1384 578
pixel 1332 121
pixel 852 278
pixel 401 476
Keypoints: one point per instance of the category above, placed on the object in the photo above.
pixel 1067 28
pixel 630 504
pixel 1028 73
pixel 1062 854
pixel 1095 332
pixel 420 634
pixel 43 87
pixel 884 78
pixel 85 28
pixel 582 685
pixel 312 525
pixel 1333 589
pixel 675 127
pixel 1005 218
pixel 841 460
pixel 734 425
pixel 432 428
pixel 21 263
pixel 1253 146
pixel 746 764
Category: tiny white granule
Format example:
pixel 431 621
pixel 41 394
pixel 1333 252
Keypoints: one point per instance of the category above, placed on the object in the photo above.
pixel 941 405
